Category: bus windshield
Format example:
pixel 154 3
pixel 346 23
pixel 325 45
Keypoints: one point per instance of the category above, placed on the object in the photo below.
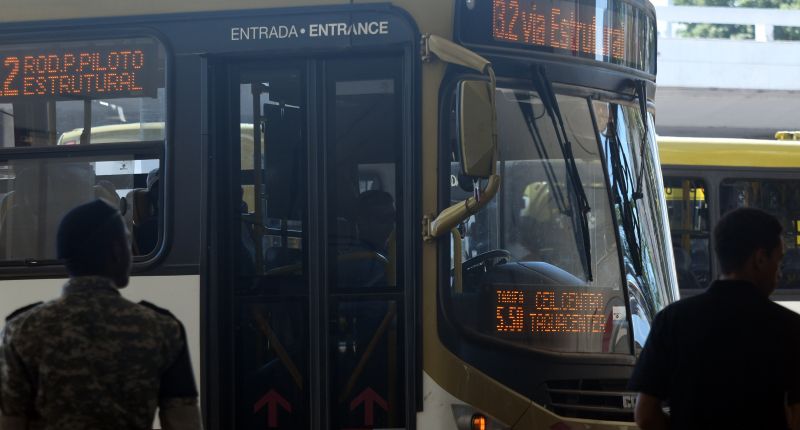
pixel 529 237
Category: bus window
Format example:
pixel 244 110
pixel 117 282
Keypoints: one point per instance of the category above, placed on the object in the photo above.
pixel 36 194
pixel 115 87
pixel 271 301
pixel 272 212
pixel 687 206
pixel 63 96
pixel 363 153
pixel 781 197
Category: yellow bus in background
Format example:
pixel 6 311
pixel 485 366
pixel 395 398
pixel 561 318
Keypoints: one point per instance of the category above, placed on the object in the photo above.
pixel 706 177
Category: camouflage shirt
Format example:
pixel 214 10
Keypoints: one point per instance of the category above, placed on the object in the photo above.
pixel 93 360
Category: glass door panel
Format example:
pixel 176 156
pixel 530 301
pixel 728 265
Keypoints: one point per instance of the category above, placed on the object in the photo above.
pixel 271 294
pixel 363 154
pixel 366 360
pixel 317 300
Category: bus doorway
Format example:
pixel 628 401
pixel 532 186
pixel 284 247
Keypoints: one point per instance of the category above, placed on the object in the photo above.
pixel 306 298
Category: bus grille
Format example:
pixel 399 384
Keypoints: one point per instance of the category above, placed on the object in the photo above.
pixel 605 399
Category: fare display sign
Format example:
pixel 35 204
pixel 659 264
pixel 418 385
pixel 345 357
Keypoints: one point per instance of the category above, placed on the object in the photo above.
pixel 550 312
pixel 619 32
pixel 553 315
pixel 89 72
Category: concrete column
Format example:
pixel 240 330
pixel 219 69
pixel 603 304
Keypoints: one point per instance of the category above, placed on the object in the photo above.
pixel 765 32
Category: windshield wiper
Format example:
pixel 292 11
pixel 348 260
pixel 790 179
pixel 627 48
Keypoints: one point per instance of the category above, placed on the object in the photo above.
pixel 545 89
pixel 621 176
pixel 533 129
pixel 641 94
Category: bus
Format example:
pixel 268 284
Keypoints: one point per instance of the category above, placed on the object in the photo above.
pixel 706 177
pixel 402 214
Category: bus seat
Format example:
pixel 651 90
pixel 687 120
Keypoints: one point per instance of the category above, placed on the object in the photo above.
pixel 140 207
pixel 104 190
pixel 276 257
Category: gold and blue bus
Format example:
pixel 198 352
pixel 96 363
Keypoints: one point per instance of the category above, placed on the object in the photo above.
pixel 403 214
pixel 706 177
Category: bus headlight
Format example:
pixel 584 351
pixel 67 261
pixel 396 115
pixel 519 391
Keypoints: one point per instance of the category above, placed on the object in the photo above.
pixel 469 418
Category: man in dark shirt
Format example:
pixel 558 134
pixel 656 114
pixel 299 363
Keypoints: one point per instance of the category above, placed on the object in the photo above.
pixel 728 358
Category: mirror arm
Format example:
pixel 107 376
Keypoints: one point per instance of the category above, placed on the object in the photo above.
pixel 450 52
pixel 457 213
pixel 453 53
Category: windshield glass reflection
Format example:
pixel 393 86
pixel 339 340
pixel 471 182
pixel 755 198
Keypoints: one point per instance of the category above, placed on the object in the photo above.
pixel 525 276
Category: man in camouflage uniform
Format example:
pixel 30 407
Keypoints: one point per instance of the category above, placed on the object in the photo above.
pixel 90 359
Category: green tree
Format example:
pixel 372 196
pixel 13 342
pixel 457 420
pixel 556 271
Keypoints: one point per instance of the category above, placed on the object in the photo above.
pixel 730 31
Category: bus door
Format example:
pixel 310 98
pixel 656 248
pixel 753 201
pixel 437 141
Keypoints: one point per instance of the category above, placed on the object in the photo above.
pixel 306 296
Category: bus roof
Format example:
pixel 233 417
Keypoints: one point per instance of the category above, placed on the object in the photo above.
pixel 695 151
pixel 47 10
pixel 434 17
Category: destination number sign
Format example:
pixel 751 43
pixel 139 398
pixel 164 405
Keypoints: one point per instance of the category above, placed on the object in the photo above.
pixel 614 31
pixel 88 72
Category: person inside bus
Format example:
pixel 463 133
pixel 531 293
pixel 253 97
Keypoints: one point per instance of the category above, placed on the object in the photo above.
pixel 364 261
pixel 536 219
pixel 375 219
pixel 91 359
pixel 145 226
pixel 105 191
pixel 727 358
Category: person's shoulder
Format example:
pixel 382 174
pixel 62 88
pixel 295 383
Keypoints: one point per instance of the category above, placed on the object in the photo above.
pixel 157 310
pixel 687 305
pixel 160 315
pixel 16 319
pixel 786 316
pixel 684 311
pixel 18 313
pixel 31 318
pixel 39 311
pixel 171 329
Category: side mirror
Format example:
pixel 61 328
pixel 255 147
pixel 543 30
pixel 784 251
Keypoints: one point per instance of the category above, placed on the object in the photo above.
pixel 476 127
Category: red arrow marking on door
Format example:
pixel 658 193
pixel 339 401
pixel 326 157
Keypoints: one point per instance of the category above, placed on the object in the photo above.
pixel 272 399
pixel 369 398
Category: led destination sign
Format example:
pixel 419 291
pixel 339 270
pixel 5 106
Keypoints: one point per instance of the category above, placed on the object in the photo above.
pixel 611 31
pixel 86 72
pixel 557 24
pixel 549 312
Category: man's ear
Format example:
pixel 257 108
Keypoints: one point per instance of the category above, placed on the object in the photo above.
pixel 760 258
pixel 117 251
